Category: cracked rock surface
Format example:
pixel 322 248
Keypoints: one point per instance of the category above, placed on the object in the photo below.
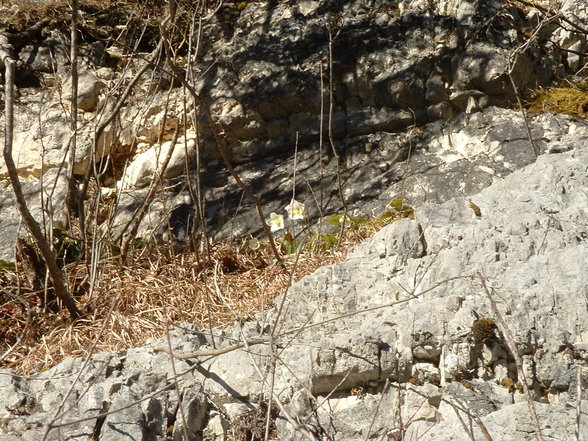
pixel 401 317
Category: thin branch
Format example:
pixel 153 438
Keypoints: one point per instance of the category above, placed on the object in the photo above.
pixel 512 346
pixel 22 334
pixel 545 10
pixel 54 271
pixel 227 160
pixel 71 196
pixel 213 352
pixel 578 399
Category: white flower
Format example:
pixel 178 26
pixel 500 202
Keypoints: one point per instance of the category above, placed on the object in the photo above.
pixel 276 222
pixel 254 244
pixel 295 210
pixel 345 221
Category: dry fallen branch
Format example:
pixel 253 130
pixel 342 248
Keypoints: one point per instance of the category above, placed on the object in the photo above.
pixel 213 352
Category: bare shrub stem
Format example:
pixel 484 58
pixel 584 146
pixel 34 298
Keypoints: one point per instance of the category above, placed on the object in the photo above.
pixel 48 255
pixel 512 346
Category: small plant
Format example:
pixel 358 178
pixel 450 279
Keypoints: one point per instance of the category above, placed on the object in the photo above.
pixel 68 248
pixel 359 227
pixel 511 385
pixel 10 266
pixel 345 220
pixel 296 212
pixel 483 330
pixel 397 209
pixel 322 242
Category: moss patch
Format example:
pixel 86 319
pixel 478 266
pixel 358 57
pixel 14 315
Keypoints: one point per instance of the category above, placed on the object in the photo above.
pixel 568 100
pixel 483 330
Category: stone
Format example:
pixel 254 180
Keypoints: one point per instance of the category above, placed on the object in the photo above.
pixel 147 166
pixel 512 422
pixel 45 200
pixel 89 89
pixel 16 397
pixel 191 416
pixel 381 344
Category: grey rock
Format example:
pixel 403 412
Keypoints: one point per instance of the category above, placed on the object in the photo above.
pixel 48 56
pixel 192 414
pixel 381 344
pixel 511 422
pixel 89 89
pixel 128 422
pixel 424 326
pixel 45 200
pixel 16 395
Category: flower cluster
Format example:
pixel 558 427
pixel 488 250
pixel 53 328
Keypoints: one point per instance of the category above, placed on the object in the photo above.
pixel 295 211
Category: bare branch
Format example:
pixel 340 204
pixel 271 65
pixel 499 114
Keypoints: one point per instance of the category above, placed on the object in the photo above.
pixel 30 222
pixel 512 346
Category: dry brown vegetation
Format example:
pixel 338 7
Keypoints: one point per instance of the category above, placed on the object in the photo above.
pixel 127 304
pixel 135 301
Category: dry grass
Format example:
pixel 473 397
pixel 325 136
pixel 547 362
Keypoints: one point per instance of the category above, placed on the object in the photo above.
pixel 18 15
pixel 233 282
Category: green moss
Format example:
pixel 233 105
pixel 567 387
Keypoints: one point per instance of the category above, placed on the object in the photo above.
pixel 483 330
pixel 568 100
pixel 10 266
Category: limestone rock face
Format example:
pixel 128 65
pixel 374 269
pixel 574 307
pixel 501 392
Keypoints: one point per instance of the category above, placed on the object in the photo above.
pixel 400 339
pixel 265 73
pixel 403 316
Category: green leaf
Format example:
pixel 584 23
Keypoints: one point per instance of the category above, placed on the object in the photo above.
pixel 329 239
pixel 387 215
pixel 402 211
pixel 337 219
pixel 4 265
pixel 292 246
pixel 397 204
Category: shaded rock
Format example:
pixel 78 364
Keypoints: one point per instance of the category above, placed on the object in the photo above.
pixel 46 201
pixel 458 157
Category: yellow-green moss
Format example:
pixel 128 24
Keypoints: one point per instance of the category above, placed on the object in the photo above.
pixel 568 100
